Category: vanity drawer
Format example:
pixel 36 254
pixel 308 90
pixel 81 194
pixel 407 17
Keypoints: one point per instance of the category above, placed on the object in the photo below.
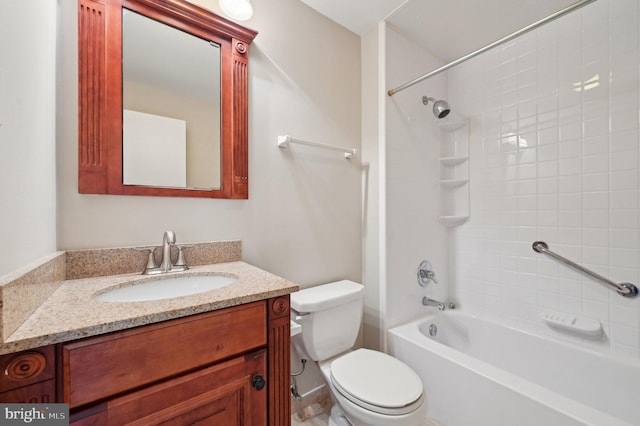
pixel 100 367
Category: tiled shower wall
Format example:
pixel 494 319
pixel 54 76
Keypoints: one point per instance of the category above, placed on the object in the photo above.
pixel 554 157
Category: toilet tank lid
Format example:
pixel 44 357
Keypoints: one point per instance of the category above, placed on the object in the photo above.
pixel 326 296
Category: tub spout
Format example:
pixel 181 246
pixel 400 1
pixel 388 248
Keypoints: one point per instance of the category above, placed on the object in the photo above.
pixel 431 302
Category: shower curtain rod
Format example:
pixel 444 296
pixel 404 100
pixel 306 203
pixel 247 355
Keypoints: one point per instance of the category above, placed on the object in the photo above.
pixel 505 39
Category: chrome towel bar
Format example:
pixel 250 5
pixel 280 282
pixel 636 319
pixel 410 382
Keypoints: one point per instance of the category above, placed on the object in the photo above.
pixel 624 289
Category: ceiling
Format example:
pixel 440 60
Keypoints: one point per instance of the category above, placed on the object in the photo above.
pixel 448 28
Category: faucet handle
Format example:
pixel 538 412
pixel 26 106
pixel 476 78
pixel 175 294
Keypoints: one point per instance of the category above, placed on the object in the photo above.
pixel 151 261
pixel 426 274
pixel 181 261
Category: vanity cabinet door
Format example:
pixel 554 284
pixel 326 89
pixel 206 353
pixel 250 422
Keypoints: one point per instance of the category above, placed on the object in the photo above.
pixel 226 394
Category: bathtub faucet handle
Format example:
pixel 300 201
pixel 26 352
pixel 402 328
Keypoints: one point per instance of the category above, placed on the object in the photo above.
pixel 426 274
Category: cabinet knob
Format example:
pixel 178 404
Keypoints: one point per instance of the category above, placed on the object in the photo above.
pixel 258 382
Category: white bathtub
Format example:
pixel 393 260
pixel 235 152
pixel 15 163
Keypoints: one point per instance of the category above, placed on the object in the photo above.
pixel 480 373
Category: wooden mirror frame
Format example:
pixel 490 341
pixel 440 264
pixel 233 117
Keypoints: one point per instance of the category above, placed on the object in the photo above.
pixel 100 94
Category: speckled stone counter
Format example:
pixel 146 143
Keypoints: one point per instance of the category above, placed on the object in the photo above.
pixel 70 312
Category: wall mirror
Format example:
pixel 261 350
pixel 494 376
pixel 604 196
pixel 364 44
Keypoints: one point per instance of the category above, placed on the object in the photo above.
pixel 163 100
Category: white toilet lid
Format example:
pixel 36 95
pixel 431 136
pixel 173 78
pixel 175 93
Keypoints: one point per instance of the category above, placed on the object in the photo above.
pixel 377 381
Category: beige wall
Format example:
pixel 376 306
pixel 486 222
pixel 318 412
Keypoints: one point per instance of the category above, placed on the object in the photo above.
pixel 27 132
pixel 373 125
pixel 303 217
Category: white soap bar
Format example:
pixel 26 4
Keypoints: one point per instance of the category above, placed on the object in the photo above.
pixel 570 322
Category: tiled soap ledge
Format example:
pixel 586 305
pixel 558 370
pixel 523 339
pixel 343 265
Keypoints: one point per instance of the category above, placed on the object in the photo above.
pixel 23 291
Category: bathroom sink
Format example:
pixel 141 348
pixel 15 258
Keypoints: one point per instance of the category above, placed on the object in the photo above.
pixel 165 288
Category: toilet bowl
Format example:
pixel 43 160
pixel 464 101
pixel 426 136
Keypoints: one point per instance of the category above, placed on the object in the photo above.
pixel 369 388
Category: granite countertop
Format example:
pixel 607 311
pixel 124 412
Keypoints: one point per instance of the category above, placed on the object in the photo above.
pixel 71 312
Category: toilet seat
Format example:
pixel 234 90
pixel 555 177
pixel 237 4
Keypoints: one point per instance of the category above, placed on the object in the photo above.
pixel 377 382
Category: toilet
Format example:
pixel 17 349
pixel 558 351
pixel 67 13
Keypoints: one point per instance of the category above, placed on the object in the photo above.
pixel 369 388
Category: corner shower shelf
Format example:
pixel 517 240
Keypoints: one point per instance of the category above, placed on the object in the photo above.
pixel 453 220
pixel 454 172
pixel 453 161
pixel 453 183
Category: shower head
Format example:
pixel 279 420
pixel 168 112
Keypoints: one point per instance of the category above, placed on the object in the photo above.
pixel 440 108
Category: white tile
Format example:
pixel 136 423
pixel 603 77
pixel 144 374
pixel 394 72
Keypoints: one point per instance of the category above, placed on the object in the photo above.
pixel 620 218
pixel 548 135
pixel 571 183
pixel 624 335
pixel 570 201
pixel 572 305
pixel 623 199
pixel 595 218
pixel 595 181
pixel 624 160
pixel 624 113
pixel 597 254
pixel 625 316
pixel 570 218
pixel 595 200
pixel 570 126
pixel 624 238
pixel 547 169
pixel 570 148
pixel 570 235
pixel 596 127
pixel 570 166
pixel 595 164
pixel 547 218
pixel 626 258
pixel 569 287
pixel 625 179
pixel 596 310
pixel 623 141
pixel 598 237
pixel 548 300
pixel 576 185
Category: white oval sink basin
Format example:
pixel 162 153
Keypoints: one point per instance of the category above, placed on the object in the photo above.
pixel 165 288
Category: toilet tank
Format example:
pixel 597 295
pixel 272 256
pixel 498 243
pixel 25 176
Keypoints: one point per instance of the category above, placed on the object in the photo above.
pixel 330 316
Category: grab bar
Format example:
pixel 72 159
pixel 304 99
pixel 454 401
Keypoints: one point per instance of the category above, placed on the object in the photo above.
pixel 624 289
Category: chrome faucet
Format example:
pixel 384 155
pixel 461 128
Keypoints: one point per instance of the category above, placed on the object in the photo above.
pixel 432 302
pixel 168 240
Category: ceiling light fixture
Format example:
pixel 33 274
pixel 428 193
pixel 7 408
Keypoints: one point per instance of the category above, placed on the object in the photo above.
pixel 240 10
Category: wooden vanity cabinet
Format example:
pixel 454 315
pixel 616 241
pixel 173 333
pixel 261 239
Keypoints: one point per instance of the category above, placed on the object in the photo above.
pixel 226 367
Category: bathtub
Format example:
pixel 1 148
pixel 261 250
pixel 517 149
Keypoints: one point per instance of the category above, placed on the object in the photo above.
pixel 477 372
